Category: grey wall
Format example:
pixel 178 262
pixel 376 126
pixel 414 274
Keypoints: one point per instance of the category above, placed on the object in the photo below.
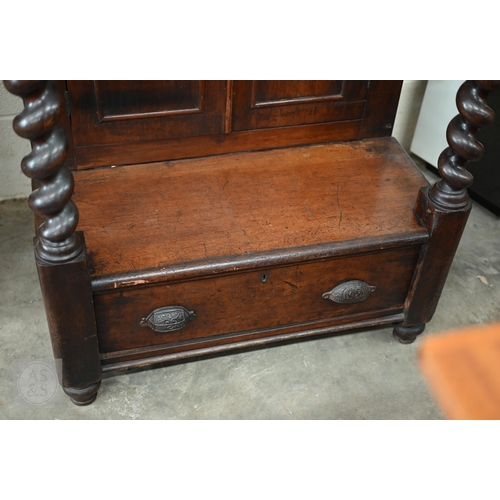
pixel 12 148
pixel 412 95
pixel 15 185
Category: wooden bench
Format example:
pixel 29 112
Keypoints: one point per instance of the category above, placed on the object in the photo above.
pixel 220 215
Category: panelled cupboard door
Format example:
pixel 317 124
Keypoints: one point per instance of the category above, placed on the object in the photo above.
pixel 109 112
pixel 283 103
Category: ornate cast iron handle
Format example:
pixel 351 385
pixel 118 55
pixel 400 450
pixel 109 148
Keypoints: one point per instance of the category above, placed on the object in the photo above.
pixel 168 319
pixel 349 292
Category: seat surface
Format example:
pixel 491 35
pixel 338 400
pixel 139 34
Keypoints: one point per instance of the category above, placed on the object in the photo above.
pixel 143 220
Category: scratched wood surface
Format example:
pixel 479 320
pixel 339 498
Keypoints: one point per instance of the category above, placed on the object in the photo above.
pixel 247 302
pixel 159 353
pixel 155 215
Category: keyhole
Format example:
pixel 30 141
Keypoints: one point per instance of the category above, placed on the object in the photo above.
pixel 264 278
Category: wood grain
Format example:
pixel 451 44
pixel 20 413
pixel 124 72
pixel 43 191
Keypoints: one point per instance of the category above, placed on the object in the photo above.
pixel 153 216
pixel 147 124
pixel 135 358
pixel 60 252
pixel 132 111
pixel 67 297
pixel 268 104
pixel 186 200
pixel 254 300
pixel 380 110
pixel 87 157
pixel 445 229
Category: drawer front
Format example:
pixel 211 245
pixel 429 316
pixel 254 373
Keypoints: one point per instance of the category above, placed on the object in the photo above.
pixel 255 300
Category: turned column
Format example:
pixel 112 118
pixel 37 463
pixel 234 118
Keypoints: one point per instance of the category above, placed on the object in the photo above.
pixel 444 207
pixel 60 251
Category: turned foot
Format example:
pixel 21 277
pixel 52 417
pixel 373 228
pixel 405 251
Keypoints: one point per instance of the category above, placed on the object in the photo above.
pixel 407 334
pixel 83 397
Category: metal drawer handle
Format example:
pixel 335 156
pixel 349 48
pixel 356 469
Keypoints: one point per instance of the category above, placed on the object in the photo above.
pixel 168 319
pixel 349 292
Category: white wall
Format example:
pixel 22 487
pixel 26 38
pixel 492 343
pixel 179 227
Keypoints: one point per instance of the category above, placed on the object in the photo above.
pixel 13 183
pixel 12 148
pixel 438 108
pixel 410 101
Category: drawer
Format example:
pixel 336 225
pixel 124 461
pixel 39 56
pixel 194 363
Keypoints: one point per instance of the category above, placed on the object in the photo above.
pixel 254 300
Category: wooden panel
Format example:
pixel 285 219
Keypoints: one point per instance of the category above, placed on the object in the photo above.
pixel 381 106
pixel 143 356
pixel 254 300
pixel 267 104
pixel 107 112
pixel 153 216
pixel 277 92
pixel 290 112
pixel 193 147
pixel 118 100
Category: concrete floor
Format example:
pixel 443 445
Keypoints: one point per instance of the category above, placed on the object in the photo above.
pixel 367 375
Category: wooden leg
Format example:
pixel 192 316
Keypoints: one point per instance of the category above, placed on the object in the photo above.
pixel 60 251
pixel 445 229
pixel 407 334
pixel 83 397
pixel 444 208
pixel 67 296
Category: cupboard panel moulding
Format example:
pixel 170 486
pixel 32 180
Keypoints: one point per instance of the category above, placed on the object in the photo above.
pixel 105 113
pixel 277 93
pixel 269 104
pixel 136 100
pixel 120 123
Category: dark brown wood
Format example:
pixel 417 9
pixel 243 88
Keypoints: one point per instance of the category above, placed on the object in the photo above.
pixel 69 306
pixel 190 211
pixel 194 147
pixel 127 360
pixel 228 119
pixel 39 122
pixel 221 215
pixel 407 334
pixel 60 252
pixel 247 302
pixel 444 208
pixel 445 228
pixel 451 191
pixel 237 116
pixel 106 112
pixel 270 104
pixel 380 110
pixel 236 263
